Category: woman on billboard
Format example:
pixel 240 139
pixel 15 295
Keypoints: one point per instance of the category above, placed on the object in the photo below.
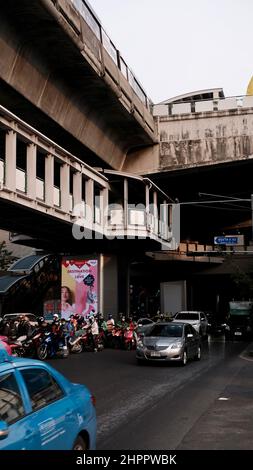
pixel 67 306
pixel 91 297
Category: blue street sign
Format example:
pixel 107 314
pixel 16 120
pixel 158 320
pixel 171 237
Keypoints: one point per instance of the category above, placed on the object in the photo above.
pixel 225 240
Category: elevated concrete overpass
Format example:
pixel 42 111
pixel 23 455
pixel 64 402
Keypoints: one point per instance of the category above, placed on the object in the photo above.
pixel 196 134
pixel 60 72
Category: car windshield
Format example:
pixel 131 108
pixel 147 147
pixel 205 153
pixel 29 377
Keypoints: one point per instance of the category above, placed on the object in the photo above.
pixel 167 331
pixel 187 316
pixel 15 316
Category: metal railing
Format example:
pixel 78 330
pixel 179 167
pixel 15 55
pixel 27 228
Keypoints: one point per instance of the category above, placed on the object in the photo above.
pixel 191 107
pixel 94 24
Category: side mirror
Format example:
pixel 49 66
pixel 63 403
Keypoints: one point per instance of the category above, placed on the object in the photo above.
pixel 190 335
pixel 4 430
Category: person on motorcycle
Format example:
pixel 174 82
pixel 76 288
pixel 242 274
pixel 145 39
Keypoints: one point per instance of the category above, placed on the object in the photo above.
pixel 43 325
pixel 110 323
pixel 24 327
pixel 55 326
pixel 131 323
pixel 93 332
pixel 122 323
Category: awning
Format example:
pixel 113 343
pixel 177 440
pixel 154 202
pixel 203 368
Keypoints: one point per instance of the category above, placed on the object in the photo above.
pixel 8 281
pixel 27 263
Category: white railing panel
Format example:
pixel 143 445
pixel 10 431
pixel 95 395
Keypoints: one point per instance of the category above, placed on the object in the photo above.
pixel 40 189
pixel 160 110
pixel 21 180
pixel 248 102
pixel 181 108
pixel 79 210
pixel 1 171
pixel 97 215
pixel 136 217
pixel 71 202
pixel 202 106
pixel 227 103
pixel 116 217
pixel 57 196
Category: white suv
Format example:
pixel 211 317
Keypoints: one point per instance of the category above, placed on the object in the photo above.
pixel 197 319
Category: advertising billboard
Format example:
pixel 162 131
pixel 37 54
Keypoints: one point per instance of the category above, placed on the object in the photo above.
pixel 79 287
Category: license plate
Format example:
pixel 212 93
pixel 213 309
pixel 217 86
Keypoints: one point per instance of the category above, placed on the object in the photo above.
pixel 155 354
pixel 238 333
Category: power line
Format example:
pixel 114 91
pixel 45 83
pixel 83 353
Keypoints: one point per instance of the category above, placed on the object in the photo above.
pixel 224 208
pixel 213 202
pixel 225 197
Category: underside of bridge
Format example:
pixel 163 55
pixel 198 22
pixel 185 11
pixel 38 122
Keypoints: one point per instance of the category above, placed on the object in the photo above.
pixel 46 81
pixel 204 220
pixel 56 236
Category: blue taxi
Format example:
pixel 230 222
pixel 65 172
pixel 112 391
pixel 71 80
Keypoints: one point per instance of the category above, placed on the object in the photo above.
pixel 41 410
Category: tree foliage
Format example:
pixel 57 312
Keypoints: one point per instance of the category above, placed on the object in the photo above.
pixel 243 283
pixel 6 257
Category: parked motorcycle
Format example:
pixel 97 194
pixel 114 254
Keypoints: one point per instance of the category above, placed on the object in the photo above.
pixel 75 344
pixel 52 345
pixel 129 341
pixel 91 343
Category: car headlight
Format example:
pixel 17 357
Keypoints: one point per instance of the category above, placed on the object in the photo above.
pixel 176 345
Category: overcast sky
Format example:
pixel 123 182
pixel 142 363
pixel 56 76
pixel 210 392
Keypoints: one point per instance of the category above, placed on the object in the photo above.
pixel 178 46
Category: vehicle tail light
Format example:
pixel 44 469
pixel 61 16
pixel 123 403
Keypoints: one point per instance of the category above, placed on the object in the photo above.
pixel 93 400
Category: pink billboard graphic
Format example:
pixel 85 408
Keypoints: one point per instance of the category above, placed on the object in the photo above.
pixel 79 287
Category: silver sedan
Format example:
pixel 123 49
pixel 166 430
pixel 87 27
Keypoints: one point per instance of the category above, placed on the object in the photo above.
pixel 173 341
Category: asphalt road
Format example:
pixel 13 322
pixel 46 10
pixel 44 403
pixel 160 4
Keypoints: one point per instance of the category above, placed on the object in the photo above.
pixel 166 406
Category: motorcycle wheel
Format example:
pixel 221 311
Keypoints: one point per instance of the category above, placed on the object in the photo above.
pixel 77 348
pixel 42 352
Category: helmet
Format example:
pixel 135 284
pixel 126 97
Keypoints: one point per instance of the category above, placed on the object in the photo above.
pixel 40 320
pixel 110 316
pixel 56 316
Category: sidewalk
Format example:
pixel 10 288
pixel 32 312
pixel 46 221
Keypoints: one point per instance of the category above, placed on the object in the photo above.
pixel 228 423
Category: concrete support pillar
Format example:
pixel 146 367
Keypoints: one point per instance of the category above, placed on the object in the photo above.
pixel 155 210
pixel 89 199
pixel 114 284
pixel 147 197
pixel 10 160
pixel 123 284
pixel 108 285
pixel 77 188
pixel 104 207
pixel 65 177
pixel 31 158
pixel 49 180
pixel 165 212
pixel 147 204
pixel 125 203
